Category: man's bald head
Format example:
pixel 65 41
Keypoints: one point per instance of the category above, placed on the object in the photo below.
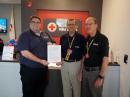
pixel 91 19
pixel 91 25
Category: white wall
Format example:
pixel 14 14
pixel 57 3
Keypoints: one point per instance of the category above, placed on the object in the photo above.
pixel 116 25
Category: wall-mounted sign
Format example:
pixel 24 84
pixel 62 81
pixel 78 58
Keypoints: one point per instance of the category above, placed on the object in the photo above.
pixel 62 24
pixel 59 26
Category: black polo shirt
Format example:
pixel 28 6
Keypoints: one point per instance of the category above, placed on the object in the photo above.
pixel 77 46
pixel 37 45
pixel 98 50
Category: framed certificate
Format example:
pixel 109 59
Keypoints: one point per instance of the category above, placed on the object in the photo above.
pixel 54 53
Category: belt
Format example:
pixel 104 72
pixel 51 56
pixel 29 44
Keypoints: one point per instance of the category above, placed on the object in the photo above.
pixel 71 60
pixel 92 69
pixel 27 67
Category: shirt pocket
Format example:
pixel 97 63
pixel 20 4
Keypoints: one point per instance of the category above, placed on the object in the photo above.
pixel 34 43
pixel 95 47
pixel 77 46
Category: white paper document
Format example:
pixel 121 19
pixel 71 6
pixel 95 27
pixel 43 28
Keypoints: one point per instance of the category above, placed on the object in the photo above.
pixel 54 66
pixel 54 53
pixel 8 52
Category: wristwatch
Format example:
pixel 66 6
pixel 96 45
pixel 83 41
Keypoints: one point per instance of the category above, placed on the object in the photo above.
pixel 100 76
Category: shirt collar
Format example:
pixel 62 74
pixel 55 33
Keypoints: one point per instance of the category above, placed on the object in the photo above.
pixel 73 35
pixel 97 34
pixel 33 33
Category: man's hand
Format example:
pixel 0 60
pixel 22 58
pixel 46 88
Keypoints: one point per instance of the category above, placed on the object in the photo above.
pixel 99 83
pixel 44 62
pixel 69 51
pixel 79 76
pixel 59 63
pixel 49 43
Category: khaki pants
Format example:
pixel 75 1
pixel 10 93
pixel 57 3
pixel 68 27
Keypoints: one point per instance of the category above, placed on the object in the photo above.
pixel 88 87
pixel 71 85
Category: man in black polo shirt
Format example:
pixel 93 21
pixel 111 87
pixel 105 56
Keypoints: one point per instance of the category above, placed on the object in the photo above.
pixel 33 55
pixel 95 60
pixel 72 52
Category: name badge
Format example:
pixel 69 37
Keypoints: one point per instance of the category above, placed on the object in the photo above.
pixel 46 37
pixel 95 44
pixel 77 46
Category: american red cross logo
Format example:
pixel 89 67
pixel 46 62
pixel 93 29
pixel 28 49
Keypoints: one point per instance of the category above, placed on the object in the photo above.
pixel 52 27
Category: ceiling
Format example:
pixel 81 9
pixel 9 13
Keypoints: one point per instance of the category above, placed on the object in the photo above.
pixel 10 1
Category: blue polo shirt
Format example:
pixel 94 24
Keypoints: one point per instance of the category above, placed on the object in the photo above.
pixel 37 45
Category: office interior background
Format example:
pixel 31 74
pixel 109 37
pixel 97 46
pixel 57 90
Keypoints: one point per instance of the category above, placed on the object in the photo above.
pixel 113 17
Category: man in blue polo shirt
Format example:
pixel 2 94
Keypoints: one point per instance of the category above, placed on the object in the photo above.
pixel 33 55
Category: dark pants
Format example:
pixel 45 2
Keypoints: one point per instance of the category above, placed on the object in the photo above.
pixel 88 85
pixel 34 81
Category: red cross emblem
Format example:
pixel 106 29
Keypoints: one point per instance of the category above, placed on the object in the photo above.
pixel 52 27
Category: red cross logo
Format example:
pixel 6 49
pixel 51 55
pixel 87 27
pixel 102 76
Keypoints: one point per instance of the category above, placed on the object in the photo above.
pixel 52 27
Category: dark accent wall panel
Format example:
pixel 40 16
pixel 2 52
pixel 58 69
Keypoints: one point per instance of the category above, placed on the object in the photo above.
pixel 93 6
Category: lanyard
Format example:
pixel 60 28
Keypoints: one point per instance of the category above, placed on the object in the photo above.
pixel 71 43
pixel 89 45
pixel 70 46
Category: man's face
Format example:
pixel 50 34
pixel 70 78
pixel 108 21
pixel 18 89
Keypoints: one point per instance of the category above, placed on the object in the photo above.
pixel 35 25
pixel 71 26
pixel 91 26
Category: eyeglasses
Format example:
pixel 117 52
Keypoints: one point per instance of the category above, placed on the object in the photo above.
pixel 34 22
pixel 89 24
pixel 70 24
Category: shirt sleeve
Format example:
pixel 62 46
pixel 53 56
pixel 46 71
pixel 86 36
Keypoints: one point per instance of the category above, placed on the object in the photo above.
pixel 83 45
pixel 62 49
pixel 23 42
pixel 105 47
